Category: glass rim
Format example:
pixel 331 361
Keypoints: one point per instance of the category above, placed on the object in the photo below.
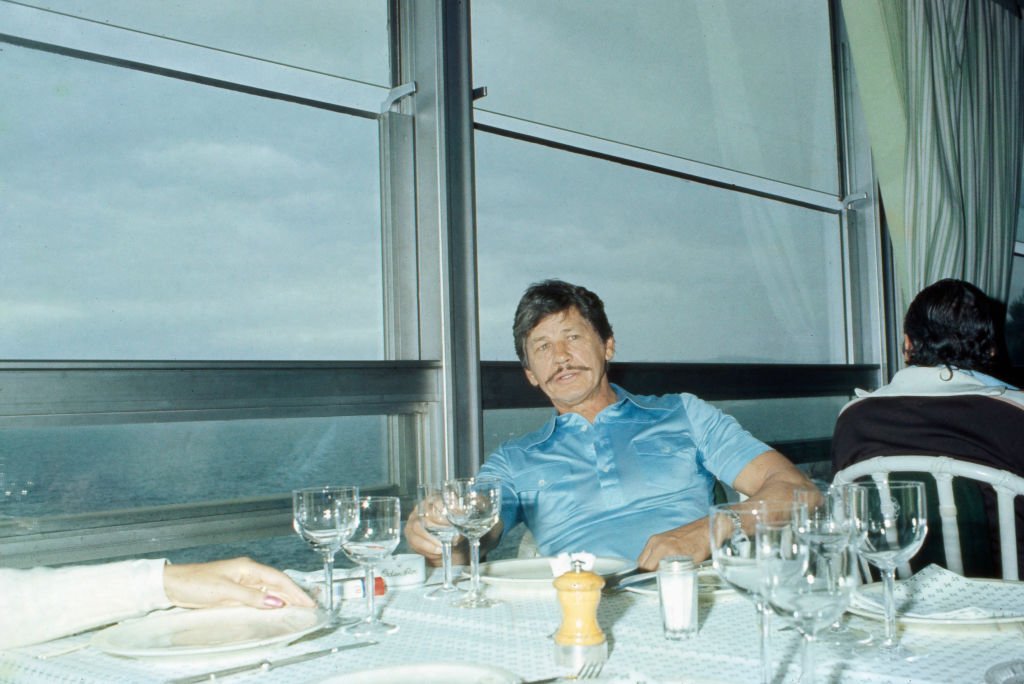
pixel 323 489
pixel 739 507
pixel 474 479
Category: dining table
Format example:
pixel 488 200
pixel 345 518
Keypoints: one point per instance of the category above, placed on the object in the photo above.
pixel 515 636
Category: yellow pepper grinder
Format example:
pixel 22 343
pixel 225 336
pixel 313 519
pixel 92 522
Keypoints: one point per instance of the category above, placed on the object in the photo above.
pixel 579 639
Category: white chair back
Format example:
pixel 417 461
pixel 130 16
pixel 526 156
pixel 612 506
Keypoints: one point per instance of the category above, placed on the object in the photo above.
pixel 943 468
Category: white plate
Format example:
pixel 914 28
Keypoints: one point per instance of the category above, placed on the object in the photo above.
pixel 1011 672
pixel 708 582
pixel 535 573
pixel 428 673
pixel 873 614
pixel 207 631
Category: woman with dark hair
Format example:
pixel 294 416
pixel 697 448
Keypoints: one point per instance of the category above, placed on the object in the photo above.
pixel 951 323
pixel 944 403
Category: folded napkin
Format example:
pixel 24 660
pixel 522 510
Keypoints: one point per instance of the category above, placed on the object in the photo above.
pixel 563 562
pixel 938 594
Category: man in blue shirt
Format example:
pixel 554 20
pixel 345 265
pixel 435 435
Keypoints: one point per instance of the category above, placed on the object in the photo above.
pixel 613 473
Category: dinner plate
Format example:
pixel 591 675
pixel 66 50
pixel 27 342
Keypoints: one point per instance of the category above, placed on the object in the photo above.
pixel 937 605
pixel 535 573
pixel 428 673
pixel 1010 672
pixel 207 631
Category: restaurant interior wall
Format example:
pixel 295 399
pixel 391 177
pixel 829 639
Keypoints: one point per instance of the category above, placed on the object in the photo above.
pixel 251 297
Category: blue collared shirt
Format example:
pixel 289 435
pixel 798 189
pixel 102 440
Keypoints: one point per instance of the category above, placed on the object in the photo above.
pixel 646 465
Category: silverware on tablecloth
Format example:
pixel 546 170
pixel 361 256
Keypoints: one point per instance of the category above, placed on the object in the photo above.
pixel 266 665
pixel 589 670
pixel 632 579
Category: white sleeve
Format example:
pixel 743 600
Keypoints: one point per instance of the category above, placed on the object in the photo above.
pixel 47 603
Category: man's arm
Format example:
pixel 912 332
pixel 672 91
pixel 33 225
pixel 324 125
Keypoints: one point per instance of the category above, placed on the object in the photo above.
pixel 769 477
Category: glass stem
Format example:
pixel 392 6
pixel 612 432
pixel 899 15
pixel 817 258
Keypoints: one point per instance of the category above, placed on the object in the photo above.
pixel 474 560
pixel 889 600
pixel 446 562
pixel 807 666
pixel 764 639
pixel 329 586
pixel 371 609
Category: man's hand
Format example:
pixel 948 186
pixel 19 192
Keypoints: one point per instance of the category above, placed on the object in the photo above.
pixel 687 540
pixel 428 546
pixel 234 582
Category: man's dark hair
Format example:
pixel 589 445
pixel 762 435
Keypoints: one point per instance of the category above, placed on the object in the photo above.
pixel 556 296
pixel 951 323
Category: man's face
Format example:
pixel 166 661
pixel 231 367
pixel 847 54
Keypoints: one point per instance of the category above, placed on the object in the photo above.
pixel 567 359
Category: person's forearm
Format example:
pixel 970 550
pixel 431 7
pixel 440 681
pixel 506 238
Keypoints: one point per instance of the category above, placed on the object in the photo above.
pixel 46 603
pixel 780 486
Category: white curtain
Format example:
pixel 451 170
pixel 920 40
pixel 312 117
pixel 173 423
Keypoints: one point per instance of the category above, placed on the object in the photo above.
pixel 954 70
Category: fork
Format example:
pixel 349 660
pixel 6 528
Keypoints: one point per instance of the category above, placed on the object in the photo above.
pixel 589 670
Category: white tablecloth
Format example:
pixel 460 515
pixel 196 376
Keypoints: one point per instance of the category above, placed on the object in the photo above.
pixel 515 636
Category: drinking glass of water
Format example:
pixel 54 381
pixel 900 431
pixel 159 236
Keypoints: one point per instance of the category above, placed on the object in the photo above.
pixel 325 517
pixel 473 505
pixel 374 539
pixel 434 516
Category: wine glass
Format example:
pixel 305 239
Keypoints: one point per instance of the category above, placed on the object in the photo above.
pixel 810 573
pixel 374 538
pixel 325 517
pixel 890 523
pixel 473 505
pixel 732 528
pixel 434 518
pixel 829 533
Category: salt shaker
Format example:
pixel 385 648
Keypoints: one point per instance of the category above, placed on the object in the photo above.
pixel 579 639
pixel 677 591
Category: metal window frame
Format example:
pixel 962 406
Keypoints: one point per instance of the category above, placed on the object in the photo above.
pixel 430 48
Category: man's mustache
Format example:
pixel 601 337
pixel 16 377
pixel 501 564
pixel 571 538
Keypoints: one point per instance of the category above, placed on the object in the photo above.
pixel 565 369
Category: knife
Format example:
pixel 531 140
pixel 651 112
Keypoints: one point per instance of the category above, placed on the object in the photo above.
pixel 634 579
pixel 266 665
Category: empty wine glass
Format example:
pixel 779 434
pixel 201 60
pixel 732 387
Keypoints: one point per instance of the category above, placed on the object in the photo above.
pixel 732 528
pixel 473 505
pixel 829 533
pixel 890 524
pixel 325 517
pixel 810 574
pixel 374 539
pixel 434 518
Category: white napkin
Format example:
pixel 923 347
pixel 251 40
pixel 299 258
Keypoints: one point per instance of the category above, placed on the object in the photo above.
pixel 562 563
pixel 936 593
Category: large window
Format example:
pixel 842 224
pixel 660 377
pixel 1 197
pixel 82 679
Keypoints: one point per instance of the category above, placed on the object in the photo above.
pixel 185 222
pixel 688 272
pixel 192 279
pixel 740 85
pixel 346 38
